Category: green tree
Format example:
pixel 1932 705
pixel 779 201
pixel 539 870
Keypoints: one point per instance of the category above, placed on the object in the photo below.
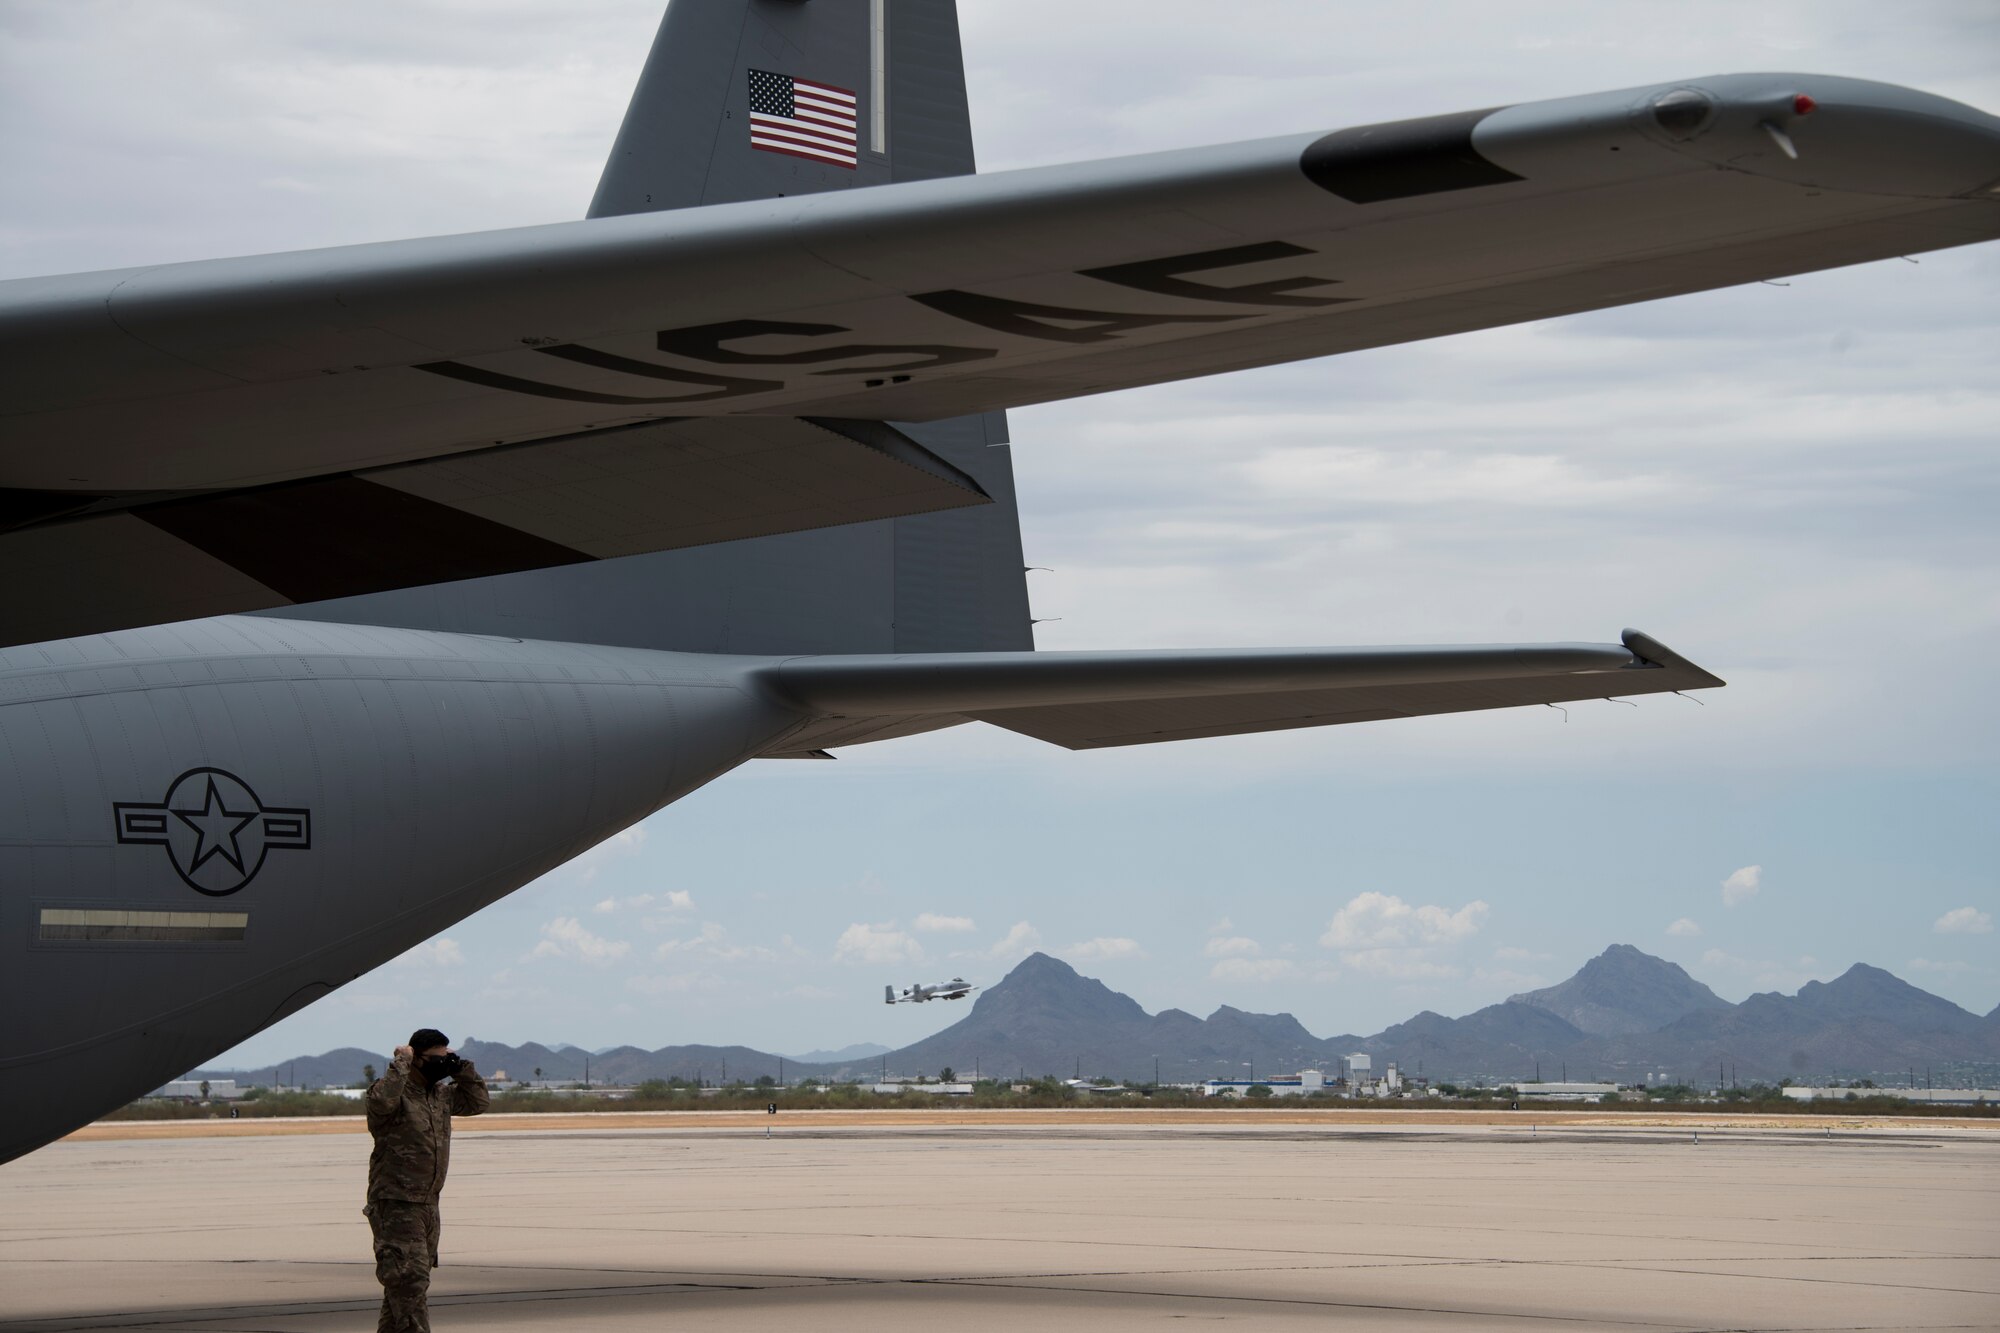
pixel 204 1089
pixel 946 1075
pixel 538 1073
pixel 367 1075
pixel 1260 1091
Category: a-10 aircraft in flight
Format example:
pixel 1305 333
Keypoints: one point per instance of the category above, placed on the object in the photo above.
pixel 352 589
pixel 955 989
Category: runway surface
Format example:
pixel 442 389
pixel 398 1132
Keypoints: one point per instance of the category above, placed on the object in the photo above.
pixel 1070 1222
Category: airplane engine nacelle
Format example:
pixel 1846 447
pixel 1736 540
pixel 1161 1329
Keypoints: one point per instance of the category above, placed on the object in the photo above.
pixel 297 803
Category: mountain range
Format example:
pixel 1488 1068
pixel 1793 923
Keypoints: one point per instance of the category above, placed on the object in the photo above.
pixel 1623 1016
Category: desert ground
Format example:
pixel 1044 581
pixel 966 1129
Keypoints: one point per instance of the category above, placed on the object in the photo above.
pixel 1106 1219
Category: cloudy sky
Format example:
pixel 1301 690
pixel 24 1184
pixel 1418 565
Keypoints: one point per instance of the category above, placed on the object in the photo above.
pixel 1795 485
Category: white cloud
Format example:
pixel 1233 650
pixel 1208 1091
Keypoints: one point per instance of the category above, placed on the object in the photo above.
pixel 876 944
pixel 1232 946
pixel 1254 969
pixel 1685 928
pixel 1382 920
pixel 1964 921
pixel 932 923
pixel 1949 967
pixel 1103 949
pixel 1222 927
pixel 1742 885
pixel 669 903
pixel 566 937
pixel 1436 925
pixel 713 942
pixel 1018 942
pixel 440 952
pixel 1513 953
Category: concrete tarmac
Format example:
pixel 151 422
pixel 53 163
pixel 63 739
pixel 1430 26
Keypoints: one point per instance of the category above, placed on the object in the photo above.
pixel 1065 1221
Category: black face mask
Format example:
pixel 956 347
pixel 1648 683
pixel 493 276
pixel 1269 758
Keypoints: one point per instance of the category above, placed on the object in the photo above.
pixel 437 1067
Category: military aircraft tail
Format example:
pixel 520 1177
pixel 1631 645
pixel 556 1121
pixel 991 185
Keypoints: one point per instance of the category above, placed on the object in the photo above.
pixel 750 99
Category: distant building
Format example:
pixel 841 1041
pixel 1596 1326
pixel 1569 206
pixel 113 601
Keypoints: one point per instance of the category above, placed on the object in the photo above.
pixel 1931 1096
pixel 1282 1085
pixel 895 1086
pixel 1565 1092
pixel 189 1089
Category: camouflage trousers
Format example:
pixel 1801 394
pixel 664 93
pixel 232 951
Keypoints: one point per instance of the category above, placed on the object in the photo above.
pixel 406 1250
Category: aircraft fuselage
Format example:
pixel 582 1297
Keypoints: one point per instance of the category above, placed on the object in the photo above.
pixel 213 824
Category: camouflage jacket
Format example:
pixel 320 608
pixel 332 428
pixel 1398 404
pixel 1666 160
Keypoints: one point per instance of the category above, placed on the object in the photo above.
pixel 411 1123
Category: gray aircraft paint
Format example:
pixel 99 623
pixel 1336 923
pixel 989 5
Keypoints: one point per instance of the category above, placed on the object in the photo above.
pixel 206 825
pixel 1020 287
pixel 247 342
pixel 437 773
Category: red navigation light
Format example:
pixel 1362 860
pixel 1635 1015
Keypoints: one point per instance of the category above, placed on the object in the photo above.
pixel 1803 105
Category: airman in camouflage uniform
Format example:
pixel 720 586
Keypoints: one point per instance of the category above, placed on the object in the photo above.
pixel 409 1114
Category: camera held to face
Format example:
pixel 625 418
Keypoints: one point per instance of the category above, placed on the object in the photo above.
pixel 439 1067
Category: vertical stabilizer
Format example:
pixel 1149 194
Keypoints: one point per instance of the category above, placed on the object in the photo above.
pixel 749 99
pixel 771 116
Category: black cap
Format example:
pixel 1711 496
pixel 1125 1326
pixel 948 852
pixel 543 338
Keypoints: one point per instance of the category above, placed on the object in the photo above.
pixel 424 1038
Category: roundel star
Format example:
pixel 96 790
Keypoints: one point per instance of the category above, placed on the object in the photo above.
pixel 216 825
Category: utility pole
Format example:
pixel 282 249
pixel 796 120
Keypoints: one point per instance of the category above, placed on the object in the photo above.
pixel 586 1073
pixel 781 1071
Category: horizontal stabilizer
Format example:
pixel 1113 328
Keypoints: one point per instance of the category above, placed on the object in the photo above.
pixel 1091 700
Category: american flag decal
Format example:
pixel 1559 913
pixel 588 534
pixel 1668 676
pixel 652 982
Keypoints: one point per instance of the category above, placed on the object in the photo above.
pixel 801 118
